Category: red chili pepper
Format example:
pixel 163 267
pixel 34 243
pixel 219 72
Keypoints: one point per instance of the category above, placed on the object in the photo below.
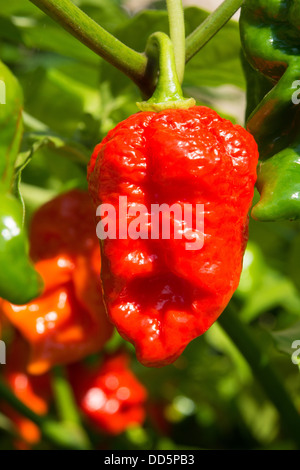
pixel 33 391
pixel 68 322
pixel 109 395
pixel 159 295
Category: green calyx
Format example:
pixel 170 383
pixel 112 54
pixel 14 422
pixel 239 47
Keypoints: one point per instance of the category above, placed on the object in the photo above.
pixel 168 93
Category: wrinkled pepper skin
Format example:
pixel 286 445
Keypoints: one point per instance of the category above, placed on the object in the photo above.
pixel 19 282
pixel 33 391
pixel 109 395
pixel 68 321
pixel 271 44
pixel 159 295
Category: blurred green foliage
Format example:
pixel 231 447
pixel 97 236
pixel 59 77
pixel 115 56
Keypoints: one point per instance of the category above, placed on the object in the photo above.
pixel 209 398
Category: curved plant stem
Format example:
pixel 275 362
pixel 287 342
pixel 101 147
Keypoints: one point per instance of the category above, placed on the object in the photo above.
pixel 59 434
pixel 168 93
pixel 213 23
pixel 177 34
pixel 96 38
pixel 263 371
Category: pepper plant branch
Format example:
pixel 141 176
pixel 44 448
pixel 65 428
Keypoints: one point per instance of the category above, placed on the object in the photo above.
pixel 213 23
pixel 132 63
pixel 7 395
pixel 7 425
pixel 177 34
pixel 64 398
pixel 52 431
pixel 263 371
pixel 96 38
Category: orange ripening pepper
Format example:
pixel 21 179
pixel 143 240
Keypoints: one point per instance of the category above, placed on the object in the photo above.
pixel 34 392
pixel 159 294
pixel 110 395
pixel 68 321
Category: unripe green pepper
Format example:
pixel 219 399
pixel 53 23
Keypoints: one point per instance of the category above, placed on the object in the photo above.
pixel 279 186
pixel 11 126
pixel 271 44
pixel 19 282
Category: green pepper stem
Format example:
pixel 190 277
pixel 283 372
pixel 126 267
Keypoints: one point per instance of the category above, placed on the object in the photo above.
pixel 168 93
pixel 64 398
pixel 258 360
pixel 213 23
pixel 177 34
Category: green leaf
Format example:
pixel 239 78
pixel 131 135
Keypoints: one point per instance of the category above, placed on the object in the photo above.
pixel 35 141
pixel 41 32
pixel 9 32
pixel 55 162
pixel 263 288
pixel 64 104
pixel 218 63
pixel 19 7
pixel 254 270
pixel 47 36
pixel 108 14
pixel 275 291
pixel 288 341
pixel 294 265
